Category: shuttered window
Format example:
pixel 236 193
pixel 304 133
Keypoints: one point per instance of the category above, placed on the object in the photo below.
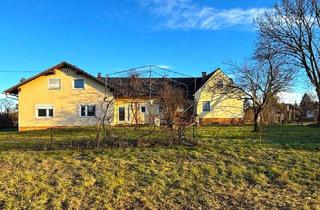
pixel 55 84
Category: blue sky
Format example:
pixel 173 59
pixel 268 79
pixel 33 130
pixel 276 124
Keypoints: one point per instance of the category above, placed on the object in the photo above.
pixel 106 36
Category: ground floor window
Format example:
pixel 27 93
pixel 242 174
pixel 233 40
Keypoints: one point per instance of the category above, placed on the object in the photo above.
pixel 44 111
pixel 87 110
pixel 143 109
pixel 121 114
pixel 159 109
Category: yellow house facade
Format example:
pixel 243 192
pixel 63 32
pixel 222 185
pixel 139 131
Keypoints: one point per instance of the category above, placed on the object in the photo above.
pixel 66 96
pixel 140 111
pixel 213 106
pixel 62 96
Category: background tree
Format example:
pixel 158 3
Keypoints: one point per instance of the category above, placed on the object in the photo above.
pixel 135 90
pixel 294 27
pixel 171 100
pixel 175 108
pixel 307 105
pixel 260 79
pixel 306 102
pixel 269 111
pixel 8 113
pixel 131 87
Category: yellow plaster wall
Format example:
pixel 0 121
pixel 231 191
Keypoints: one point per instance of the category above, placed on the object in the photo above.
pixel 152 110
pixel 66 101
pixel 222 106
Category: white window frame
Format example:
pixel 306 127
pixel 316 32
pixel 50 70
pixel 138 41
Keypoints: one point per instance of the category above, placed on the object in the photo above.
pixel 86 111
pixel 47 107
pixel 128 115
pixel 203 106
pixel 52 79
pixel 84 83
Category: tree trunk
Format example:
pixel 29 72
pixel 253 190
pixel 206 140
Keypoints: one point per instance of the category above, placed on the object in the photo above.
pixel 256 113
pixel 318 117
pixel 255 122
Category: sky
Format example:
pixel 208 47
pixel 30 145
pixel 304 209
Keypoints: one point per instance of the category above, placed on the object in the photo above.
pixel 187 36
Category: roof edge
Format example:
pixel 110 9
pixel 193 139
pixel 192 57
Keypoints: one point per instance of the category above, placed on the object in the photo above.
pixel 13 90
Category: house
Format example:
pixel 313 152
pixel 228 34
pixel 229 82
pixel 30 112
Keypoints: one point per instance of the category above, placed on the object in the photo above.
pixel 65 95
pixel 274 113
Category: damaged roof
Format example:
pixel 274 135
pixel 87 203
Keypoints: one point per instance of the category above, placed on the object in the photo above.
pixel 120 85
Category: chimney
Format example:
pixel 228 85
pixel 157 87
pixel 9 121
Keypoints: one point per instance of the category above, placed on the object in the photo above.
pixel 204 74
pixel 99 75
pixel 22 79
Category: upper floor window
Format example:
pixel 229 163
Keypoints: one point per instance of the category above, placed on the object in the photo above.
pixel 55 84
pixel 78 84
pixel 44 111
pixel 206 106
pixel 87 110
pixel 220 83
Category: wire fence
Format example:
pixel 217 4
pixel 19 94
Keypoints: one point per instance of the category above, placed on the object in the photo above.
pixel 151 106
pixel 155 97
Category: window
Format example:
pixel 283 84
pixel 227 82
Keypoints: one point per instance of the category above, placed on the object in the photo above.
pixel 206 106
pixel 143 109
pixel 121 114
pixel 129 107
pixel 220 84
pixel 78 84
pixel 159 109
pixel 54 84
pixel 87 110
pixel 43 111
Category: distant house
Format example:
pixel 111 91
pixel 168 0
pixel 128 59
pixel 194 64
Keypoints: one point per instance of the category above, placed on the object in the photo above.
pixel 274 113
pixel 65 95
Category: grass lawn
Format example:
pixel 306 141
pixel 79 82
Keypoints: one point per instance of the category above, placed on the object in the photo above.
pixel 230 168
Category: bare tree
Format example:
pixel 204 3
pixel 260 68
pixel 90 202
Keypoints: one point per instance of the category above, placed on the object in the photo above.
pixel 105 118
pixel 103 131
pixel 8 110
pixel 135 90
pixel 268 113
pixel 172 100
pixel 175 108
pixel 258 80
pixel 294 27
pixel 307 105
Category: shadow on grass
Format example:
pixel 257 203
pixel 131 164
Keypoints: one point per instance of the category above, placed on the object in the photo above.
pixel 277 136
pixel 84 139
pixel 292 137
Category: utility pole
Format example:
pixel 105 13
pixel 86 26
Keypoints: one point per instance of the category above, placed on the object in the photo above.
pixel 150 98
pixel 194 111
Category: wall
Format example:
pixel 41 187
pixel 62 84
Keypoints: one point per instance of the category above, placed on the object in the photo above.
pixel 224 109
pixel 143 118
pixel 66 101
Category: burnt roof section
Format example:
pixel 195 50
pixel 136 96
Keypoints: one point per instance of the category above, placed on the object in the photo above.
pixel 190 84
pixel 15 89
pixel 122 88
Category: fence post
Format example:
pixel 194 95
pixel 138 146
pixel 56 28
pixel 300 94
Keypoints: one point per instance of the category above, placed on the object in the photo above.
pixel 51 137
